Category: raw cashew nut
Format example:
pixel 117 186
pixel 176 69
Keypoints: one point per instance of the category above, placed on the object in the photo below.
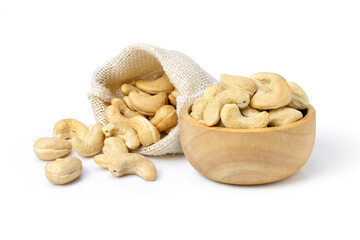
pixel 172 97
pixel 63 170
pixel 118 112
pixel 229 81
pixel 101 160
pixel 68 128
pixel 124 110
pixel 249 112
pixel 165 118
pixel 147 132
pixel 148 105
pixel 299 100
pixel 128 103
pixel 212 91
pixel 127 88
pixel 276 95
pixel 284 115
pixel 124 132
pixel 161 84
pixel 51 148
pixel 92 142
pixel 197 109
pixel 231 117
pixel 233 95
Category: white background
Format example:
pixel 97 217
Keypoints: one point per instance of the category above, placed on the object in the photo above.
pixel 48 53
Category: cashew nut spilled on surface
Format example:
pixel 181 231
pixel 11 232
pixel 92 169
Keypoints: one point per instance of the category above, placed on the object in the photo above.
pixel 124 132
pixel 68 128
pixel 161 84
pixel 212 110
pixel 212 91
pixel 92 142
pixel 63 170
pixel 172 97
pixel 231 117
pixel 51 148
pixel 276 95
pixel 229 81
pixel 148 105
pixel 147 132
pixel 284 115
pixel 165 118
pixel 299 98
pixel 127 88
pixel 101 160
pixel 197 109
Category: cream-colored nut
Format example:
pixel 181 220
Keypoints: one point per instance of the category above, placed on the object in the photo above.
pixel 197 109
pixel 299 100
pixel 229 81
pixel 231 118
pixel 249 112
pixel 172 97
pixel 128 103
pixel 276 95
pixel 123 108
pixel 101 160
pixel 147 132
pixel 148 105
pixel 114 146
pixel 112 114
pixel 124 132
pixel 92 142
pixel 232 95
pixel 161 84
pixel 127 88
pixel 165 118
pixel 67 128
pixel 63 170
pixel 212 91
pixel 51 148
pixel 284 115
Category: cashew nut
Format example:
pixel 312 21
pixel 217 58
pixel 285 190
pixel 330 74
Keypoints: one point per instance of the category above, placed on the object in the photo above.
pixel 161 84
pixel 51 148
pixel 212 110
pixel 119 112
pixel 63 170
pixel 124 110
pixel 92 142
pixel 276 95
pixel 128 103
pixel 165 118
pixel 284 115
pixel 172 97
pixel 212 91
pixel 249 112
pixel 147 132
pixel 148 105
pixel 299 100
pixel 124 132
pixel 101 160
pixel 197 109
pixel 127 88
pixel 231 117
pixel 68 128
pixel 229 81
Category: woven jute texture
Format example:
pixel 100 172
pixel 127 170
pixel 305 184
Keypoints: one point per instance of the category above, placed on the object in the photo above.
pixel 141 61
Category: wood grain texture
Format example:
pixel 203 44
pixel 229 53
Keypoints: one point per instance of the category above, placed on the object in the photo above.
pixel 247 156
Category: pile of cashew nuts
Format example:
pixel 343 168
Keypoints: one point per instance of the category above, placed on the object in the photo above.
pixel 264 100
pixel 140 119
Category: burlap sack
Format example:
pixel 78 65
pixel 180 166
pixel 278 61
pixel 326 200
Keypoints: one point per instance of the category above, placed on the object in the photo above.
pixel 140 61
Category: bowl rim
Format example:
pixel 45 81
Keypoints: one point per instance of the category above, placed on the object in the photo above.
pixel 185 115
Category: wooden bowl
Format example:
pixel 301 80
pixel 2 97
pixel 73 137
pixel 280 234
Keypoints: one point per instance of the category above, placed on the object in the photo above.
pixel 247 156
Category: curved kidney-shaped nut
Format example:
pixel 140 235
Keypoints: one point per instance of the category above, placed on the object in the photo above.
pixel 124 132
pixel 172 97
pixel 112 114
pixel 284 115
pixel 128 103
pixel 92 142
pixel 123 108
pixel 161 84
pixel 229 81
pixel 197 109
pixel 212 91
pixel 114 146
pixel 68 128
pixel 148 105
pixel 299 100
pixel 165 118
pixel 101 160
pixel 51 148
pixel 249 112
pixel 63 170
pixel 233 95
pixel 231 118
pixel 127 88
pixel 278 93
pixel 147 132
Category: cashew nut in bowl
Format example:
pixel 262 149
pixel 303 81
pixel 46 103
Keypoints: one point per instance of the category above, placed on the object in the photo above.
pixel 197 109
pixel 229 81
pixel 124 132
pixel 165 118
pixel 51 148
pixel 249 112
pixel 212 91
pixel 151 86
pixel 276 95
pixel 284 115
pixel 231 118
pixel 92 142
pixel 63 170
pixel 212 110
pixel 148 105
pixel 68 128
pixel 147 132
pixel 127 88
pixel 299 100
pixel 172 97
